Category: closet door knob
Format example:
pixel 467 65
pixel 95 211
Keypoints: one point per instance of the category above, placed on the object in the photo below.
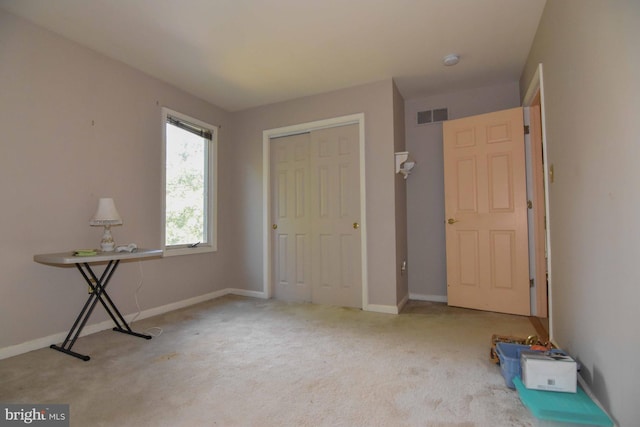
pixel 452 220
pixel 274 226
pixel 356 225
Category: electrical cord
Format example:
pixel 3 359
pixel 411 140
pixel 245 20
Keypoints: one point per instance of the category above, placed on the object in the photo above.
pixel 135 297
pixel 153 328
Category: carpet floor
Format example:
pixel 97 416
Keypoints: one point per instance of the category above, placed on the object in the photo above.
pixel 238 361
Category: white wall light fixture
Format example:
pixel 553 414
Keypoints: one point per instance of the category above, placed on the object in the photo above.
pixel 404 164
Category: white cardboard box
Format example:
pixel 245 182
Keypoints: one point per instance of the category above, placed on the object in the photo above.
pixel 552 372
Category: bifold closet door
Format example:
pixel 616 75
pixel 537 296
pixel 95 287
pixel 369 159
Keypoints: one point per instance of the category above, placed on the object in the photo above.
pixel 335 217
pixel 291 242
pixel 316 212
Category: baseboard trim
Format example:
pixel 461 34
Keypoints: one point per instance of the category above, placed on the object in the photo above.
pixel 246 293
pixel 379 308
pixel 43 342
pixel 403 302
pixel 387 309
pixel 432 298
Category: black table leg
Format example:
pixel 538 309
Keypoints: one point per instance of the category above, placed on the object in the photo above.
pixel 98 292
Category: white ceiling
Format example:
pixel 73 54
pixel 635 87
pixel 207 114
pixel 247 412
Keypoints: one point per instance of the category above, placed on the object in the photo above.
pixel 239 54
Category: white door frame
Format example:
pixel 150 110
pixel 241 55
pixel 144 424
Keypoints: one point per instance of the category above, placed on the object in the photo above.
pixel 537 84
pixel 266 193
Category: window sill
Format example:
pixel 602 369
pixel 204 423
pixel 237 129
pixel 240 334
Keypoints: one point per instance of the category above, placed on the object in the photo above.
pixel 188 251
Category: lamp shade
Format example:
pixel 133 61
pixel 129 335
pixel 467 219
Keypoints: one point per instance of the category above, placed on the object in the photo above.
pixel 107 214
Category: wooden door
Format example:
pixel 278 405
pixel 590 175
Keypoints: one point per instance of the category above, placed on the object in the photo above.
pixel 486 212
pixel 538 223
pixel 290 186
pixel 335 216
pixel 315 186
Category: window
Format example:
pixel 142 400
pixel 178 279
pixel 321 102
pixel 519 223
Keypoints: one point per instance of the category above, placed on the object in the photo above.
pixel 189 184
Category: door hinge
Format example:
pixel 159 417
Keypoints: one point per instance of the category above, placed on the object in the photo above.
pixel 526 129
pixel 529 204
pixel 531 283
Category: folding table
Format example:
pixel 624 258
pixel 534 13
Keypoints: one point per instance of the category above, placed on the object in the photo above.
pixel 98 289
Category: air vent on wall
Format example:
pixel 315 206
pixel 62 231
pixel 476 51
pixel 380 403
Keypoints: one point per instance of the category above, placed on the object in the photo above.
pixel 433 116
pixel 425 117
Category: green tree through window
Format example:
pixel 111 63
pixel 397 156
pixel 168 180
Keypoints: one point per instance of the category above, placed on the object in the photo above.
pixel 188 161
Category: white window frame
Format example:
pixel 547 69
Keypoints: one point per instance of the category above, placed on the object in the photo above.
pixel 212 173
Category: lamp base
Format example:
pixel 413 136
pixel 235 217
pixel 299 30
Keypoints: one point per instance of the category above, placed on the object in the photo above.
pixel 107 244
pixel 107 247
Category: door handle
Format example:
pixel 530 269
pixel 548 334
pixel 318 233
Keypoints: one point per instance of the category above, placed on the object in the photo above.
pixel 452 220
pixel 356 225
pixel 274 226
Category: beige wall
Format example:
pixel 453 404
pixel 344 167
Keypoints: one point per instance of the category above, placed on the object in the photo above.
pixel 399 143
pixel 77 126
pixel 589 50
pixel 425 186
pixel 376 102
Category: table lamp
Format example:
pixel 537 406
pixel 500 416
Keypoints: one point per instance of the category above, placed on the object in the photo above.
pixel 106 216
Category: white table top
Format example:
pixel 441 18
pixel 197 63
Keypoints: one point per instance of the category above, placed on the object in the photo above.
pixel 70 258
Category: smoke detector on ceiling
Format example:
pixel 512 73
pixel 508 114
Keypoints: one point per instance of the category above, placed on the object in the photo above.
pixel 451 59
